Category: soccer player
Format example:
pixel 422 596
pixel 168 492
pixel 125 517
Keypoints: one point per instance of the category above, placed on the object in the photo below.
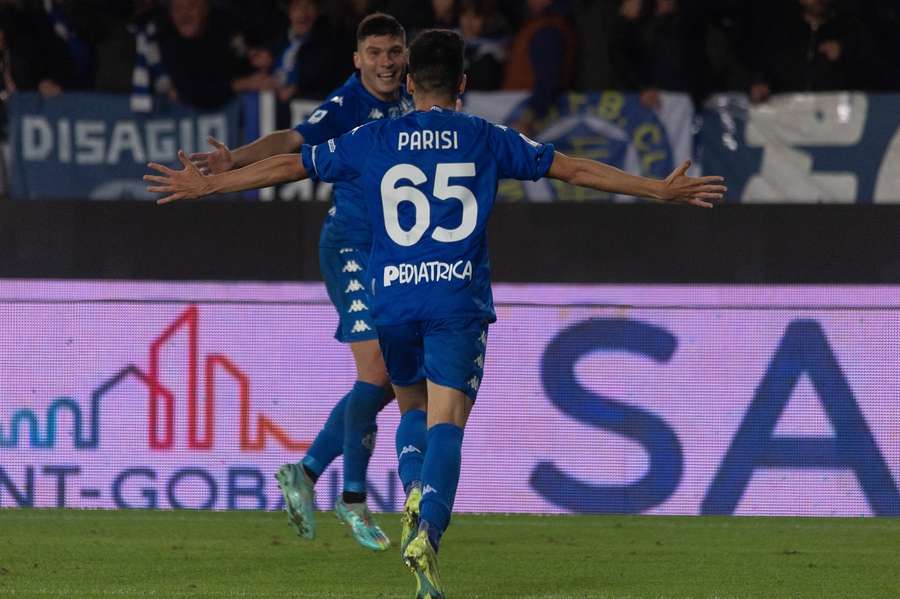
pixel 376 92
pixel 429 180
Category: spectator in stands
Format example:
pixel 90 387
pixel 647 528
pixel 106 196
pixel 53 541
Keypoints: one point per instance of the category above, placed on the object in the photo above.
pixel 485 33
pixel 649 50
pixel 812 47
pixel 305 61
pixel 445 14
pixel 48 48
pixel 541 59
pixel 202 52
pixel 593 20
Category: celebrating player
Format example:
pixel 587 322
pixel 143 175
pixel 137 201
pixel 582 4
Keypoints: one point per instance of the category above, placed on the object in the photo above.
pixel 350 429
pixel 429 180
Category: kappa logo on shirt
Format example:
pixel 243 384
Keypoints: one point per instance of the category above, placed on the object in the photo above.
pixel 354 286
pixel 376 114
pixel 360 326
pixel 409 449
pixel 474 383
pixel 351 266
pixel 357 306
pixel 339 100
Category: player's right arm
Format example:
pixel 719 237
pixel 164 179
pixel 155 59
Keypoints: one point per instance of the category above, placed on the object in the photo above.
pixel 677 187
pixel 190 183
pixel 223 159
pixel 328 121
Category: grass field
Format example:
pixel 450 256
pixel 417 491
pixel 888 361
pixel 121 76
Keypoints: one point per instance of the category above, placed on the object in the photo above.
pixel 85 554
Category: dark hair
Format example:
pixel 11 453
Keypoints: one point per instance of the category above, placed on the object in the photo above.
pixel 379 23
pixel 436 61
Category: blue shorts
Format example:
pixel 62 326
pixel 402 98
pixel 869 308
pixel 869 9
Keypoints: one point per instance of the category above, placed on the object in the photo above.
pixel 344 271
pixel 449 352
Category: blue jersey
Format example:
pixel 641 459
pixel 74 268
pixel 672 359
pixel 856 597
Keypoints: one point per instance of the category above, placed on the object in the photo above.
pixel 348 106
pixel 429 180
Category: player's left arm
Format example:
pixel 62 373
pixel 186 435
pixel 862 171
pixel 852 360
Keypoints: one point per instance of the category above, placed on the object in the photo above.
pixel 190 183
pixel 677 187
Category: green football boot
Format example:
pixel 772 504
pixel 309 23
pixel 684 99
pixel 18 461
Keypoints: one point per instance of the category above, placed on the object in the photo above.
pixel 410 518
pixel 362 524
pixel 421 558
pixel 299 499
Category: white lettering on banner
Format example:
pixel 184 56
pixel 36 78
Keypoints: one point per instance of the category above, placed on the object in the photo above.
pixel 160 140
pixel 784 123
pixel 37 138
pixel 92 142
pixel 427 272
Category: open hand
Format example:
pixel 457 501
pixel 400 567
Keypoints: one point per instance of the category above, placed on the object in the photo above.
pixel 696 191
pixel 186 184
pixel 217 161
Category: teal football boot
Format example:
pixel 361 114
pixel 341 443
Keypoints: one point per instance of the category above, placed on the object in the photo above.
pixel 362 524
pixel 299 499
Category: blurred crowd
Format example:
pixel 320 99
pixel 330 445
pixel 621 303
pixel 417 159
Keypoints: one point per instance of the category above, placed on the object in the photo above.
pixel 203 52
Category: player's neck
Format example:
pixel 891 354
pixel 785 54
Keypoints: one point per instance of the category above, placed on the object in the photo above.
pixel 427 102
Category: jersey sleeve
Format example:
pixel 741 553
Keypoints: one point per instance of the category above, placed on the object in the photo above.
pixel 517 156
pixel 338 159
pixel 328 121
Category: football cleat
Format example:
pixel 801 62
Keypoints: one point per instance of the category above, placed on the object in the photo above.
pixel 362 524
pixel 410 518
pixel 299 499
pixel 421 558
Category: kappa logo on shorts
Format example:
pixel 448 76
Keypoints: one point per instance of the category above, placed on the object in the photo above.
pixel 354 286
pixel 483 338
pixel 351 266
pixel 479 361
pixel 474 383
pixel 357 306
pixel 360 326
pixel 409 449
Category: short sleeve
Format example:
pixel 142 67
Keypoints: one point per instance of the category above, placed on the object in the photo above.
pixel 517 156
pixel 338 159
pixel 326 122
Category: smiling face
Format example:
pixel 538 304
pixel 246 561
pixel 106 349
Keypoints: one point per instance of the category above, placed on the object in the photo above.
pixel 381 60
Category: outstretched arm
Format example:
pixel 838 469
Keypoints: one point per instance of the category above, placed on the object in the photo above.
pixel 189 182
pixel 222 159
pixel 677 187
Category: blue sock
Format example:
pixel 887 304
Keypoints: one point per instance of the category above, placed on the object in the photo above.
pixel 363 404
pixel 440 475
pixel 328 444
pixel 412 436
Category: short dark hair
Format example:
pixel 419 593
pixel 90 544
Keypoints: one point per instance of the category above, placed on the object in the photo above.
pixel 436 59
pixel 379 23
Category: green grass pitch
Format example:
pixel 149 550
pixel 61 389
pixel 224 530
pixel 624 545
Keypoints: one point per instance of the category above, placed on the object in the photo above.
pixel 188 554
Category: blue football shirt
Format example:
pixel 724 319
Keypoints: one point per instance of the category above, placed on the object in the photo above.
pixel 347 107
pixel 429 180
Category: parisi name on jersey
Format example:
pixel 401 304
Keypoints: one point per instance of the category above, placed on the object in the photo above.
pixel 428 139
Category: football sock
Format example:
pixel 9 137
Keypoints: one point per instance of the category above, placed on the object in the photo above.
pixel 411 442
pixel 440 476
pixel 328 444
pixel 351 497
pixel 363 404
